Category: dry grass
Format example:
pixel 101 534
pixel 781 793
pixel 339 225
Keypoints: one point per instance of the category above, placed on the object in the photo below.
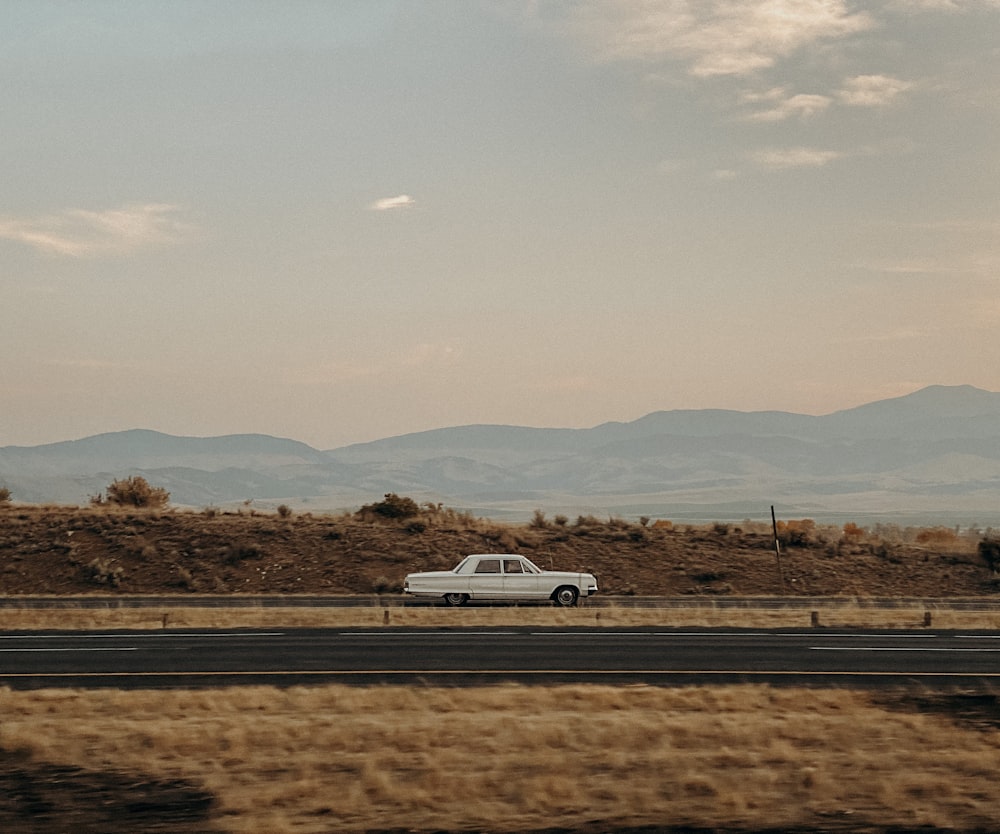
pixel 512 758
pixel 845 615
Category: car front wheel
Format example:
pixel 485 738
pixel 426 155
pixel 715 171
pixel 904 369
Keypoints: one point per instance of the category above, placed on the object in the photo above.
pixel 455 600
pixel 566 596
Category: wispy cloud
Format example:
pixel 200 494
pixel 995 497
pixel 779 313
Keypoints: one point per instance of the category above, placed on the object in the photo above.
pixel 83 233
pixel 779 105
pixel 390 203
pixel 777 159
pixel 735 37
pixel 944 5
pixel 872 90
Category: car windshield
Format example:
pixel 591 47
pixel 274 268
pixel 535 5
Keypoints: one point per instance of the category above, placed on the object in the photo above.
pixel 529 566
pixel 460 565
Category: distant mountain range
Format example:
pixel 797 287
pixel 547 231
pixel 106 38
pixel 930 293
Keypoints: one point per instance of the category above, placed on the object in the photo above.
pixel 930 457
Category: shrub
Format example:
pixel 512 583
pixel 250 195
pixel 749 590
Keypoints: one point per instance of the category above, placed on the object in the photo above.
pixel 538 521
pixel 937 536
pixel 393 506
pixel 134 492
pixel 284 511
pixel 852 532
pixel 989 550
pixel 797 532
pixel 103 572
pixel 383 585
pixel 4 496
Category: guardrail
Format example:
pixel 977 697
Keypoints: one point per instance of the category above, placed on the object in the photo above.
pixel 991 604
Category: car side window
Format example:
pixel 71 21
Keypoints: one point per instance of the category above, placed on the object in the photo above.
pixel 512 566
pixel 488 566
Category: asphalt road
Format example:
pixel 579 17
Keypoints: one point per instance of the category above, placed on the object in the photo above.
pixel 284 657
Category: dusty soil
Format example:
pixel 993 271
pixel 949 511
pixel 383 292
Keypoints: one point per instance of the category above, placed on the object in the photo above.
pixel 69 550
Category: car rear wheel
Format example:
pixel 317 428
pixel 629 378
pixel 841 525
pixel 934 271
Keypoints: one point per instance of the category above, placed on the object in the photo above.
pixel 455 600
pixel 566 596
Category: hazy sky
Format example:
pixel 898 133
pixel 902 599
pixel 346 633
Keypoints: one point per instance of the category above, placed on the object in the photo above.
pixel 340 221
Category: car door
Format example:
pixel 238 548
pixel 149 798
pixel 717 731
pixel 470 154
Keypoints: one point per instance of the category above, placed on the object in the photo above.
pixel 486 580
pixel 519 580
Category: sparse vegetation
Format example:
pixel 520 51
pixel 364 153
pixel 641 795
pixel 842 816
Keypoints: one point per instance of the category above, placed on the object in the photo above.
pixel 4 496
pixel 47 549
pixel 134 491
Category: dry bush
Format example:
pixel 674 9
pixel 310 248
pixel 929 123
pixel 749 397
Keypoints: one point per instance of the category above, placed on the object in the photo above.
pixel 797 532
pixel 4 496
pixel 392 507
pixel 853 533
pixel 989 550
pixel 538 521
pixel 134 491
pixel 937 536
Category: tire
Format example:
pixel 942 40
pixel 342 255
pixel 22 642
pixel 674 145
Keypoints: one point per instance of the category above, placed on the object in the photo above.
pixel 455 600
pixel 566 596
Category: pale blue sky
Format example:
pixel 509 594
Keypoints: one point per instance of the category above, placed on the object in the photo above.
pixel 339 221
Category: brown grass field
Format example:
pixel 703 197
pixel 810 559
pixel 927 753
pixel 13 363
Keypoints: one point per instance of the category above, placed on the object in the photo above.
pixel 504 758
pixel 501 758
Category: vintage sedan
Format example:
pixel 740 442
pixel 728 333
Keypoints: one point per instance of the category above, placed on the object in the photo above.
pixel 503 576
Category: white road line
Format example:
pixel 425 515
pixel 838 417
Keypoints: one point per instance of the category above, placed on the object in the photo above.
pixel 594 634
pixel 156 635
pixel 893 649
pixel 87 649
pixel 431 634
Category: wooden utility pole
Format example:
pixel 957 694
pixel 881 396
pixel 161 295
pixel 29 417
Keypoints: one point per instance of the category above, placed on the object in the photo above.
pixel 777 549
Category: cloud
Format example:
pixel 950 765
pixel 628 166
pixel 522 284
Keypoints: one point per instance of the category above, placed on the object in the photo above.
pixel 781 106
pixel 713 38
pixel 389 203
pixel 872 90
pixel 82 233
pixel 944 5
pixel 778 159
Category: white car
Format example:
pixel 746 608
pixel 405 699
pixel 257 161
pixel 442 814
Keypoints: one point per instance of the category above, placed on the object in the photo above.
pixel 506 576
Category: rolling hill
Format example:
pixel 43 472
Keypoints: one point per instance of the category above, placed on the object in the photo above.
pixel 933 455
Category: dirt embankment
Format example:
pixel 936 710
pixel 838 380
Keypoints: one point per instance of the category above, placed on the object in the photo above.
pixel 70 550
